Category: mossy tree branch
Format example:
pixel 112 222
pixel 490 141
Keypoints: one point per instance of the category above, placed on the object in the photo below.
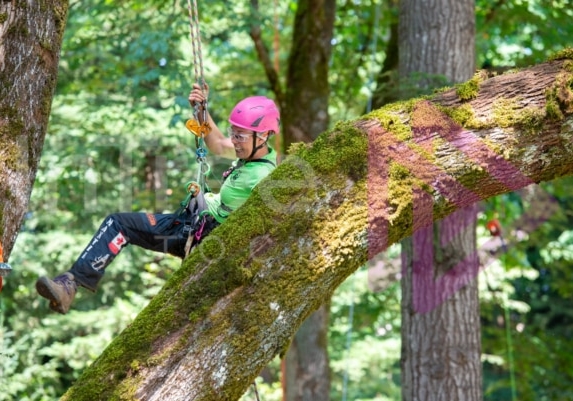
pixel 330 206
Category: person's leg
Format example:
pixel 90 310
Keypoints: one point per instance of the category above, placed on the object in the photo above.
pixel 158 232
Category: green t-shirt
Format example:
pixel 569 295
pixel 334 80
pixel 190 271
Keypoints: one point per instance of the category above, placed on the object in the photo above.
pixel 239 184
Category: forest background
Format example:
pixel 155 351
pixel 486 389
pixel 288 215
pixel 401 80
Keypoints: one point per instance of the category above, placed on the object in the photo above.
pixel 116 142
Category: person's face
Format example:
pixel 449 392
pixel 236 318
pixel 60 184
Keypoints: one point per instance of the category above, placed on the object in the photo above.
pixel 243 141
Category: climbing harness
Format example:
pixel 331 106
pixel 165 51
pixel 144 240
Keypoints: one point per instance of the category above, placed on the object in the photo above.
pixel 195 206
pixel 5 268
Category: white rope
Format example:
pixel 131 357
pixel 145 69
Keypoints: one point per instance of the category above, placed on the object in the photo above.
pixel 196 41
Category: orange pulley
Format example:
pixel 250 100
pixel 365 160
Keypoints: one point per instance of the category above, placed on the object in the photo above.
pixel 198 129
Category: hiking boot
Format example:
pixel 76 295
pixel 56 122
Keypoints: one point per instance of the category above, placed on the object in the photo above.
pixel 60 291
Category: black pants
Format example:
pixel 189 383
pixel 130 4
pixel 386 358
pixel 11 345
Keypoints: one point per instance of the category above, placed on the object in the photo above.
pixel 165 233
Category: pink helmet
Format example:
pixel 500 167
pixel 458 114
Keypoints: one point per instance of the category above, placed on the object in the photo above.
pixel 256 113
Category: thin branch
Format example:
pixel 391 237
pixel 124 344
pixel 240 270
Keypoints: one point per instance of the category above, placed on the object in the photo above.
pixel 263 53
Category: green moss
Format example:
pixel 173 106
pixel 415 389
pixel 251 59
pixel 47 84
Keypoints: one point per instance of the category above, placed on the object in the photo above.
pixel 3 17
pixel 469 90
pixel 15 126
pixel 135 365
pixel 393 118
pixel 559 97
pixel 552 110
pixel 509 113
pixel 18 30
pixel 400 186
pixel 13 158
pixel 566 53
pixel 12 154
pixel 45 44
pixel 464 115
pixel 325 156
pixel 505 112
pixel 531 120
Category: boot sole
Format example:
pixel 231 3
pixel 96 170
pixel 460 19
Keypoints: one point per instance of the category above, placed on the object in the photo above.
pixel 45 289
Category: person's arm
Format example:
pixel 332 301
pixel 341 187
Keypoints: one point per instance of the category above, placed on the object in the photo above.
pixel 217 143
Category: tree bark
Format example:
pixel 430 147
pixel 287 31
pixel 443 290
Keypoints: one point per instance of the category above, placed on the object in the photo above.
pixel 307 370
pixel 30 41
pixel 307 73
pixel 240 297
pixel 437 38
pixel 441 342
pixel 441 339
pixel 305 115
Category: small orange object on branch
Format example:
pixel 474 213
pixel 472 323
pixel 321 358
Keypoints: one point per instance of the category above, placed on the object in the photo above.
pixel 494 227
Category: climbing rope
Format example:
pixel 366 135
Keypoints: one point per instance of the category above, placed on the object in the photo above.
pixel 256 391
pixel 494 228
pixel 373 56
pixel 345 376
pixel 510 353
pixel 348 341
pixel 196 41
pixel 199 125
pixel 276 46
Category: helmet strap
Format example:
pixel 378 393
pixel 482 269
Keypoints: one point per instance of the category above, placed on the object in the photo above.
pixel 255 147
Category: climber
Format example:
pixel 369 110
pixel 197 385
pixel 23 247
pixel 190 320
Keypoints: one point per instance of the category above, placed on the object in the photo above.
pixel 252 121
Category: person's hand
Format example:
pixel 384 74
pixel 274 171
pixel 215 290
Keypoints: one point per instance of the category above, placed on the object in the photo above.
pixel 198 95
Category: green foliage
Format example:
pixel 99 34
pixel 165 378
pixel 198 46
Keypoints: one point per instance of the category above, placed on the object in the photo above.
pixel 125 72
pixel 519 33
pixel 364 340
pixel 533 282
pixel 44 353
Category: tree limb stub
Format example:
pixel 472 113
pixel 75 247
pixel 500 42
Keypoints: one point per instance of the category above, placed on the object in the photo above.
pixel 329 207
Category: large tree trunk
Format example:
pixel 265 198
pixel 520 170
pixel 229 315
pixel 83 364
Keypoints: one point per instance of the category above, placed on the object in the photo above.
pixel 305 115
pixel 304 111
pixel 30 40
pixel 441 342
pixel 307 92
pixel 242 294
pixel 306 370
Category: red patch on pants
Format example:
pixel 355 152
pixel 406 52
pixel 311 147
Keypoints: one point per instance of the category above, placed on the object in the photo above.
pixel 151 219
pixel 117 243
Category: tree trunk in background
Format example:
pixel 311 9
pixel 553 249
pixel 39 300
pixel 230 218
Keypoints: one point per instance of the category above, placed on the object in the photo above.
pixel 386 81
pixel 441 342
pixel 304 116
pixel 307 371
pixel 30 40
pixel 305 112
